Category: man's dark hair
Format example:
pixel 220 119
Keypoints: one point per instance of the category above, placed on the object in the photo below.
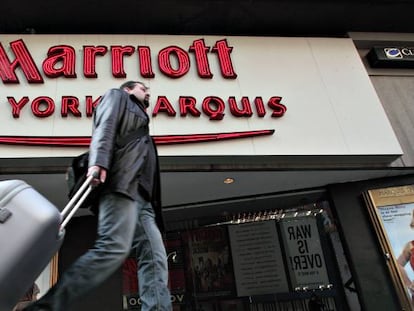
pixel 130 84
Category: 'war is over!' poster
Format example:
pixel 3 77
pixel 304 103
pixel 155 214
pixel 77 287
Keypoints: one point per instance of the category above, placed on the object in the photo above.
pixel 305 257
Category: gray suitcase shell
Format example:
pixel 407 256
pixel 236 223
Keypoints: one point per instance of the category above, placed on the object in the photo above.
pixel 29 238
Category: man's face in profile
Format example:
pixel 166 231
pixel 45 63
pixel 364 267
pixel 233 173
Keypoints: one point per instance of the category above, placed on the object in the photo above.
pixel 141 92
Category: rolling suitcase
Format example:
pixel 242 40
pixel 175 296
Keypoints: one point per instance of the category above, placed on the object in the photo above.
pixel 31 232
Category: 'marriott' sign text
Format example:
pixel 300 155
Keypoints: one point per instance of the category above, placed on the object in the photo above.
pixel 173 62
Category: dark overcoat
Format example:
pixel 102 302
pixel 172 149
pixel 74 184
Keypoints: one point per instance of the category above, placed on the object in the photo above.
pixel 132 166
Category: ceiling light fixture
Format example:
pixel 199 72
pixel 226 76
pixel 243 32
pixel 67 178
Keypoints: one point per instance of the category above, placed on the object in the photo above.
pixel 228 180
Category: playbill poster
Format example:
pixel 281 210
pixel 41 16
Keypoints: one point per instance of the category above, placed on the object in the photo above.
pixel 257 259
pixel 208 255
pixel 392 211
pixel 398 223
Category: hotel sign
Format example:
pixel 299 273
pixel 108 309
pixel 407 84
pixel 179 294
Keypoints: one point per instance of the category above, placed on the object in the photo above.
pixel 283 96
pixel 60 62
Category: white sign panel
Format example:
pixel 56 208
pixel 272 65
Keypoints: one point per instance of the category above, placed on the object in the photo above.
pixel 304 252
pixel 266 96
pixel 257 259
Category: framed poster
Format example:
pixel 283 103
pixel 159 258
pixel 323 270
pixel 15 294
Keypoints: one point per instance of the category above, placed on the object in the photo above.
pixel 305 257
pixel 257 259
pixel 392 213
pixel 210 270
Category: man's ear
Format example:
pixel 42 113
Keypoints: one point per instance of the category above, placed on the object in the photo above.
pixel 127 90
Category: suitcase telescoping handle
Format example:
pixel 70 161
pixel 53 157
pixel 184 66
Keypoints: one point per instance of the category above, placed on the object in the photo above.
pixel 77 200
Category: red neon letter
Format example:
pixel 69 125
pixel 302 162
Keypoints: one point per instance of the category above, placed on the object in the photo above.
pixel 144 54
pixel 23 59
pixel 187 105
pixel 165 64
pixel 278 108
pixel 17 106
pixel 89 59
pixel 245 111
pixel 163 105
pixel 261 111
pixel 63 55
pixel 118 53
pixel 43 100
pixel 70 103
pixel 214 114
pixel 223 51
pixel 91 105
pixel 200 50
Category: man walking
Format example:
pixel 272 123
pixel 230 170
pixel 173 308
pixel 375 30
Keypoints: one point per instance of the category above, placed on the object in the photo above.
pixel 124 158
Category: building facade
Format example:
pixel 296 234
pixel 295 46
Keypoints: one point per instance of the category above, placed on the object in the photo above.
pixel 271 148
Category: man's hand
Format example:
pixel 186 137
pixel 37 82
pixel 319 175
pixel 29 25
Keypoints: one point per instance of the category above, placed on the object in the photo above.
pixel 100 173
